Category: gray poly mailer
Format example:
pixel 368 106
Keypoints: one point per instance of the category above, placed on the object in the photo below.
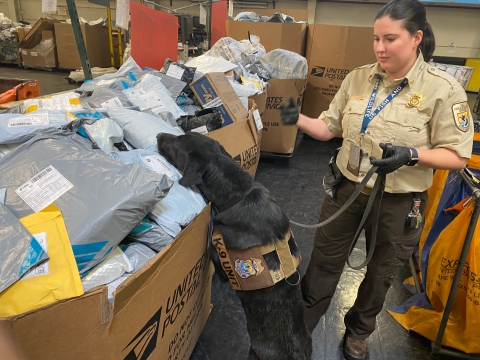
pixel 101 199
pixel 19 251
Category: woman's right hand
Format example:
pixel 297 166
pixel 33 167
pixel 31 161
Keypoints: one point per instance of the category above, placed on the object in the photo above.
pixel 289 113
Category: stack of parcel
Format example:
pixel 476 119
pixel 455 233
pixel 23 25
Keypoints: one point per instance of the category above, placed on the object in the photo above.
pixel 98 240
pixel 284 39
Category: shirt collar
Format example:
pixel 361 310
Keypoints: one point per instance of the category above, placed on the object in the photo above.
pixel 411 75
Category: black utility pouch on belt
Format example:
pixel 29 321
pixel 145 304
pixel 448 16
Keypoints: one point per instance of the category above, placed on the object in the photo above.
pixel 333 177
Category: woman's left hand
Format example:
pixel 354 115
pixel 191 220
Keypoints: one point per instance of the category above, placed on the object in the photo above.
pixel 401 155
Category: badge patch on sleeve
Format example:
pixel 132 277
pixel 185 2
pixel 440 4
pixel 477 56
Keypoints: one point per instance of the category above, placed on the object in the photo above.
pixel 461 115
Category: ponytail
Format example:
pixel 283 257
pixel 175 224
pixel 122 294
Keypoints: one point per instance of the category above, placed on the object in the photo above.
pixel 427 45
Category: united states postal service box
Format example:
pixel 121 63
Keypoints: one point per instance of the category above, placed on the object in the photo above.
pixel 332 52
pixel 273 35
pixel 242 139
pixel 214 90
pixel 158 312
pixel 279 138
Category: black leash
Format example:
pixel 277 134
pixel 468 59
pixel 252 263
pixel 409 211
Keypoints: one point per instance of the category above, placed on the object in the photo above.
pixel 377 192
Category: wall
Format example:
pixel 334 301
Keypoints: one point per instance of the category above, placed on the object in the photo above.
pixel 461 26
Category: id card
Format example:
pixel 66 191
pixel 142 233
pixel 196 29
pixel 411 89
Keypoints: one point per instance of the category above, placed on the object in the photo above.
pixel 354 159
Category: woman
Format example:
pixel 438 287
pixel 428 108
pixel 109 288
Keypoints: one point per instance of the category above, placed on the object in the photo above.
pixel 423 112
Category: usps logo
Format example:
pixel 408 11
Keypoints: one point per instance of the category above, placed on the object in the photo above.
pixel 318 71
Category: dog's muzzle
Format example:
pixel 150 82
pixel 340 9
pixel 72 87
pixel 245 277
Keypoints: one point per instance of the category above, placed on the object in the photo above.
pixel 247 270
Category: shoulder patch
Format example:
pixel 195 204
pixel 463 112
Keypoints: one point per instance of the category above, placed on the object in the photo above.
pixel 461 115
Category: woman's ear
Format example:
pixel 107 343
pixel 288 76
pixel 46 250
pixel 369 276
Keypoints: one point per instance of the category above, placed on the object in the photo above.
pixel 418 37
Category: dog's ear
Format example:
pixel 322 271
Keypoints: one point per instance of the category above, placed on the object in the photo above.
pixel 193 172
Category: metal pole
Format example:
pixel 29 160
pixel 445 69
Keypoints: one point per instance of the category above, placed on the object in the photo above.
pixel 77 31
pixel 120 46
pixel 209 28
pixel 110 39
pixel 437 345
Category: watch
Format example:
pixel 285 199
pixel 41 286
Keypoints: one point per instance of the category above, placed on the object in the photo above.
pixel 414 158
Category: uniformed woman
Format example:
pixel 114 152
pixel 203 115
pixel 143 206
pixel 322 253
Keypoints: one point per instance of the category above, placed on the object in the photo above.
pixel 423 112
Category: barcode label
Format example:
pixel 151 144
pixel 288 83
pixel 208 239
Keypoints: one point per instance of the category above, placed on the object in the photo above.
pixel 44 188
pixel 175 71
pixel 157 164
pixel 29 120
pixel 43 268
pixel 133 93
pixel 258 120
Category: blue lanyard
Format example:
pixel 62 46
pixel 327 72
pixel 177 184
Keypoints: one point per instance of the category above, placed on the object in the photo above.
pixel 369 114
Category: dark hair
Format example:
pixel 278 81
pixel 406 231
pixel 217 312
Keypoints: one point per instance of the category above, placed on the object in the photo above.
pixel 413 13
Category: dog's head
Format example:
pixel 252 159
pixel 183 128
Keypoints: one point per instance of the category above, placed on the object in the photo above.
pixel 205 163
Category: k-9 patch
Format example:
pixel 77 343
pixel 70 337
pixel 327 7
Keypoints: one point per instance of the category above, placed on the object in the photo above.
pixel 461 115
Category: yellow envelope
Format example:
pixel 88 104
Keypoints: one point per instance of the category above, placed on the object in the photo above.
pixel 54 280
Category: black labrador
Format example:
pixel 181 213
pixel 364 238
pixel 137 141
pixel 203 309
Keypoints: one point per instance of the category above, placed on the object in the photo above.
pixel 250 217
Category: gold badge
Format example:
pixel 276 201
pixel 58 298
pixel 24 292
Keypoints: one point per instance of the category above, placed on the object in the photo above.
pixel 356 97
pixel 414 101
pixel 246 268
pixel 461 116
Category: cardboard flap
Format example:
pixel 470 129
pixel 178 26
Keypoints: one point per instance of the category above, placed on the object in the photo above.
pixel 34 36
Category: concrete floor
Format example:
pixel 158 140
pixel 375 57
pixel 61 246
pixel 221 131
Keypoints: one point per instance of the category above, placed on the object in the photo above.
pixel 297 186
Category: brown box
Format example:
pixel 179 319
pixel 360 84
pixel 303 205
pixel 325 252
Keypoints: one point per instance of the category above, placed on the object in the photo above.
pixel 279 138
pixel 332 52
pixel 241 140
pixel 158 312
pixel 286 36
pixel 215 88
pixel 96 43
pixel 33 47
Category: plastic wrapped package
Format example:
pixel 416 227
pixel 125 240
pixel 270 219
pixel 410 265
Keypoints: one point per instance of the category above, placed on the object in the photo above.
pixel 53 280
pixel 108 99
pixel 252 50
pixel 138 254
pixel 259 70
pixel 18 128
pixel 284 64
pixel 210 119
pixel 61 102
pixel 150 234
pixel 101 200
pixel 152 96
pixel 19 250
pixel 46 50
pixel 111 268
pixel 279 17
pixel 178 71
pixel 178 208
pixel 245 91
pixel 104 132
pixel 102 81
pixel 134 125
pixel 248 16
pixel 206 64
pixel 227 48
pixel 173 85
pixel 129 65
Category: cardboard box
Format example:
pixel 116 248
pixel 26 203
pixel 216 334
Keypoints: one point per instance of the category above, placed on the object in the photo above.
pixel 286 36
pixel 158 312
pixel 22 32
pixel 214 90
pixel 96 43
pixel 279 138
pixel 332 52
pixel 242 140
pixel 32 55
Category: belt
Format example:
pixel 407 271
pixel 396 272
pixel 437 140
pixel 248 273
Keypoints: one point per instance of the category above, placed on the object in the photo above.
pixel 366 190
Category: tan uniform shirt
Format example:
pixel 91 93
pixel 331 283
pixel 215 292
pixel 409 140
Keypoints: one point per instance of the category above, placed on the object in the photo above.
pixel 430 112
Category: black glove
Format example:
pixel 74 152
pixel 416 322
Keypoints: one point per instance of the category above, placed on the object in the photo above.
pixel 400 156
pixel 289 113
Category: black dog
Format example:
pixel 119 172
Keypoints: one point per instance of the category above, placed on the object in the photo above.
pixel 249 217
